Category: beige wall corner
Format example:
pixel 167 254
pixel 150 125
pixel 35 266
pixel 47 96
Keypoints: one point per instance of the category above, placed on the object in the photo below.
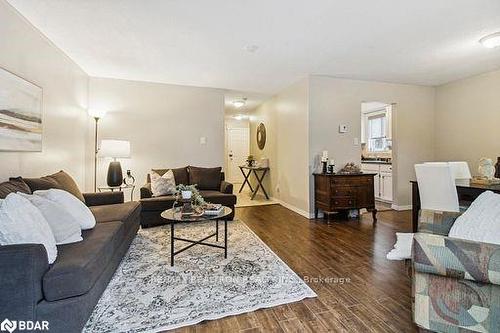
pixel 467 118
pixel 30 55
pixel 164 124
pixel 338 101
pixel 286 119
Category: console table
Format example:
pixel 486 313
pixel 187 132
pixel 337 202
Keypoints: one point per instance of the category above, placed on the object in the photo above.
pixel 338 192
pixel 255 171
pixel 466 194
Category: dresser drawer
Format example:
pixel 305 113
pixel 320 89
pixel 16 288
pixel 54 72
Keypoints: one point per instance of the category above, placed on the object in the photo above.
pixel 352 180
pixel 343 191
pixel 343 202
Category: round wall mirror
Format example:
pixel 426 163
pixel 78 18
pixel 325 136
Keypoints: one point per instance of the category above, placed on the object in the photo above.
pixel 261 136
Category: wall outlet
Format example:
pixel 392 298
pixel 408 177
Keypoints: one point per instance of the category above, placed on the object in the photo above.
pixel 343 128
pixel 203 140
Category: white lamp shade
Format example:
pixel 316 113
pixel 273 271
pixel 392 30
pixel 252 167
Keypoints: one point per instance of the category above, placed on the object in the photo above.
pixel 95 113
pixel 115 149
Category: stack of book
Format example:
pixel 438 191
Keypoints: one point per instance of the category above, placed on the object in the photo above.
pixel 213 209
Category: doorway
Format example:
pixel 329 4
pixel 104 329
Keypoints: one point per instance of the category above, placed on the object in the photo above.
pixel 377 149
pixel 237 151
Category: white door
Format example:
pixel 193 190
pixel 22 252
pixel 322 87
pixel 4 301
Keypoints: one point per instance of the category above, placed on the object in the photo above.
pixel 238 149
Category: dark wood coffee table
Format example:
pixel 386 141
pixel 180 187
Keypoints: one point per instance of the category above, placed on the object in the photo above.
pixel 174 216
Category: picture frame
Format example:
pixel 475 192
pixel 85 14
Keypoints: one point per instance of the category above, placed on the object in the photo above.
pixel 21 114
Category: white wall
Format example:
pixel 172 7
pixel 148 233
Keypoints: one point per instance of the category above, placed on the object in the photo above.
pixel 467 119
pixel 163 123
pixel 27 53
pixel 338 101
pixel 286 117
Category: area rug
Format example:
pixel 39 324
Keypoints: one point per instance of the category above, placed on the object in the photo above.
pixel 147 295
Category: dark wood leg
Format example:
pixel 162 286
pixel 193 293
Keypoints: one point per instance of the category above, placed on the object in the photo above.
pixel 374 215
pixel 225 239
pixel 216 230
pixel 415 198
pixel 259 184
pixel 247 180
pixel 315 213
pixel 171 243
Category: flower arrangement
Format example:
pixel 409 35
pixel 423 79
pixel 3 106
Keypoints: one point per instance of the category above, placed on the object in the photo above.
pixel 250 160
pixel 196 198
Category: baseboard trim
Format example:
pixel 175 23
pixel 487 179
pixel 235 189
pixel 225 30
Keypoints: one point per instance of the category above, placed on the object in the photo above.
pixel 294 209
pixel 401 208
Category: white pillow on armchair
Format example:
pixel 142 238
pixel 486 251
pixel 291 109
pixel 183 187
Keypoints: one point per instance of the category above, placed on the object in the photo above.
pixel 481 221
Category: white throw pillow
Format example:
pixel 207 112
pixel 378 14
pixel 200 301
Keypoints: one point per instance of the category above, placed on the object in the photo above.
pixel 162 185
pixel 72 205
pixel 23 223
pixel 481 221
pixel 402 248
pixel 65 228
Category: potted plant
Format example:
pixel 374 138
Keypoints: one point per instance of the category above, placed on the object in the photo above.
pixel 250 161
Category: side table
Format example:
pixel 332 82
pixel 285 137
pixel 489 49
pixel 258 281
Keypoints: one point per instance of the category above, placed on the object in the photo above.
pixel 255 171
pixel 118 188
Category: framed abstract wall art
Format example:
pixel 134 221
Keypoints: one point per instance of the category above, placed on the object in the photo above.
pixel 20 114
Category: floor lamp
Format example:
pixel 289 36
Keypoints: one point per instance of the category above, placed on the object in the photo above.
pixel 96 114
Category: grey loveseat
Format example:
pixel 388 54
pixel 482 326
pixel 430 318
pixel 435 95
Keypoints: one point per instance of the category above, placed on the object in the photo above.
pixel 65 293
pixel 209 181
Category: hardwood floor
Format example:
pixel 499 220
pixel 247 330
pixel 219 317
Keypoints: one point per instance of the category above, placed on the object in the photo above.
pixel 343 262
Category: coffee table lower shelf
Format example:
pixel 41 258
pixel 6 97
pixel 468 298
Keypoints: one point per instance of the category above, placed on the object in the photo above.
pixel 173 253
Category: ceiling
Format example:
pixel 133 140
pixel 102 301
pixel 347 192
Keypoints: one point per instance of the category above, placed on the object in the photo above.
pixel 253 100
pixel 206 43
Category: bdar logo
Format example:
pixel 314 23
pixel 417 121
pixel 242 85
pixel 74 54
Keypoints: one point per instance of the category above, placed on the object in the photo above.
pixel 8 325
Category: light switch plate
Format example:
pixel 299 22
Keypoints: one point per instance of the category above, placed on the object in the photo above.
pixel 203 140
pixel 343 128
pixel 356 141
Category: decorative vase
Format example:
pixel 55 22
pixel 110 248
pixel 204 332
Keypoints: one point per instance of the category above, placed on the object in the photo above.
pixel 129 179
pixel 115 176
pixel 486 169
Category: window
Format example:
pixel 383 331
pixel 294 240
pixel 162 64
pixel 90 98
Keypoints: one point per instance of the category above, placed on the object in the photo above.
pixel 376 132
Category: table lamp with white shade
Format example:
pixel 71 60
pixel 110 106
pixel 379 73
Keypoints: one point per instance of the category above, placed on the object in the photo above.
pixel 114 149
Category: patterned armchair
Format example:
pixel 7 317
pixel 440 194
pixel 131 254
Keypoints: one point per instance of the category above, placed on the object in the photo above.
pixel 456 283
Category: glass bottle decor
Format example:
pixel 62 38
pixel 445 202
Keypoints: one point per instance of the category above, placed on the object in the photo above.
pixel 129 180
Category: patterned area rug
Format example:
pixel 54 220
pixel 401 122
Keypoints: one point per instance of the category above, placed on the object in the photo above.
pixel 147 295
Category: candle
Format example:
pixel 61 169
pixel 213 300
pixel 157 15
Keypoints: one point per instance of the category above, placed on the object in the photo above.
pixel 324 158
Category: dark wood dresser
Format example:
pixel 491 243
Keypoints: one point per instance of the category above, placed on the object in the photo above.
pixel 334 193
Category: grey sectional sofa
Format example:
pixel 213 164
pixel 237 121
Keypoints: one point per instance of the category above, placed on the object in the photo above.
pixel 66 292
